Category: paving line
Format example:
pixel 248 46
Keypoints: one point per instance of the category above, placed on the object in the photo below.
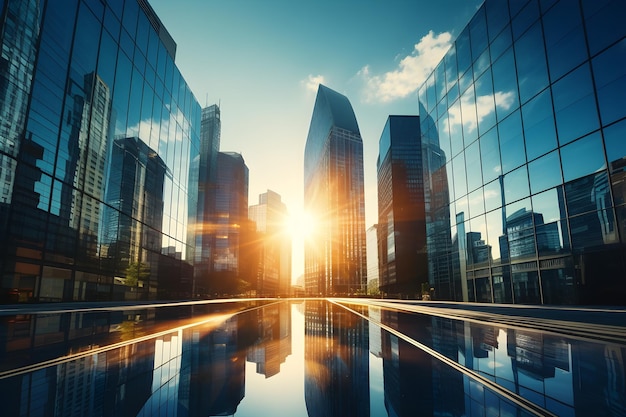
pixel 509 395
pixel 584 331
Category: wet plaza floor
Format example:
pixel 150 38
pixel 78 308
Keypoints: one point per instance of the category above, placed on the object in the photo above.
pixel 314 357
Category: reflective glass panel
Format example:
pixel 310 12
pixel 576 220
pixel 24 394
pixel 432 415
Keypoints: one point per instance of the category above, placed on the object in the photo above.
pixel 501 43
pixel 463 51
pixel 592 230
pixel 511 142
pixel 485 103
pixel 497 16
pixel 530 57
pixel 474 169
pixel 490 155
pixel 505 84
pixel 588 194
pixel 604 23
pixel 615 142
pixel 609 71
pixel 550 204
pixel 526 17
pixel 516 184
pixel 460 183
pixel 476 203
pixel 478 33
pixel 493 195
pixel 494 234
pixel 468 107
pixel 583 157
pixel 539 131
pixel 574 104
pixel 545 172
pixel 565 39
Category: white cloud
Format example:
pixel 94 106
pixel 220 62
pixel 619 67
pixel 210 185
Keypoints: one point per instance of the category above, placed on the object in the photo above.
pixel 312 82
pixel 411 72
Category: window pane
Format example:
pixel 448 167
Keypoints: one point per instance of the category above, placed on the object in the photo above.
pixel 527 16
pixel 505 84
pixel 493 195
pixel 592 230
pixel 478 32
pixel 550 204
pixel 468 108
pixel 530 57
pixel 490 155
pixel 476 203
pixel 545 172
pixel 604 20
pixel 587 194
pixel 511 142
pixel 474 170
pixel 485 104
pixel 497 16
pixel 609 70
pixel 565 40
pixel 494 234
pixel 615 143
pixel 502 42
pixel 516 185
pixel 539 132
pixel 574 104
pixel 460 183
pixel 463 52
pixel 582 157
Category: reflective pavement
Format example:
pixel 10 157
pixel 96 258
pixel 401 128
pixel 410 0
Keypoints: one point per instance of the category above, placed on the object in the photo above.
pixel 314 357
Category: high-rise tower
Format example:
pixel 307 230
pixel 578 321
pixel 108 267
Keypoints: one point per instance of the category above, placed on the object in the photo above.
pixel 335 256
pixel 401 222
pixel 210 132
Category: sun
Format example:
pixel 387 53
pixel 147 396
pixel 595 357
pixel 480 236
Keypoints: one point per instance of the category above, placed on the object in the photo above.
pixel 300 225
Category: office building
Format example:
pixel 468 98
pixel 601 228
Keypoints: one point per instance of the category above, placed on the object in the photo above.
pixel 523 125
pixel 274 269
pixel 98 133
pixel 210 133
pixel 335 257
pixel 231 225
pixel 401 221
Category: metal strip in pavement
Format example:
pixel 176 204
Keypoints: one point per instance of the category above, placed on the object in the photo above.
pixel 509 395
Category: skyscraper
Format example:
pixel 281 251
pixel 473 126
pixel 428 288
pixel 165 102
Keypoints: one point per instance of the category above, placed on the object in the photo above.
pixel 231 223
pixel 274 272
pixel 335 257
pixel 401 222
pixel 98 136
pixel 523 125
pixel 205 220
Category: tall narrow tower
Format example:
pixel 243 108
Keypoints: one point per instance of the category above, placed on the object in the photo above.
pixel 335 256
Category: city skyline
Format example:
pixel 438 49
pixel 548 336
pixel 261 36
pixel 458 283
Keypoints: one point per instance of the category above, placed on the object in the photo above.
pixel 262 63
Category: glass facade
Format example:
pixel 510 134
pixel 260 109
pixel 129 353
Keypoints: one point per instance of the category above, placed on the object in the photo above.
pixel 335 260
pixel 98 131
pixel 523 128
pixel 401 222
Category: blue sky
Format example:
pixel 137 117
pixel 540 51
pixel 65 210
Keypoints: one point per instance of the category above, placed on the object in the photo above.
pixel 262 61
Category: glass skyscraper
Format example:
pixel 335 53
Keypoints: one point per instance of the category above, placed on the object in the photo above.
pixel 210 134
pixel 523 127
pixel 98 131
pixel 335 257
pixel 401 222
pixel 274 244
